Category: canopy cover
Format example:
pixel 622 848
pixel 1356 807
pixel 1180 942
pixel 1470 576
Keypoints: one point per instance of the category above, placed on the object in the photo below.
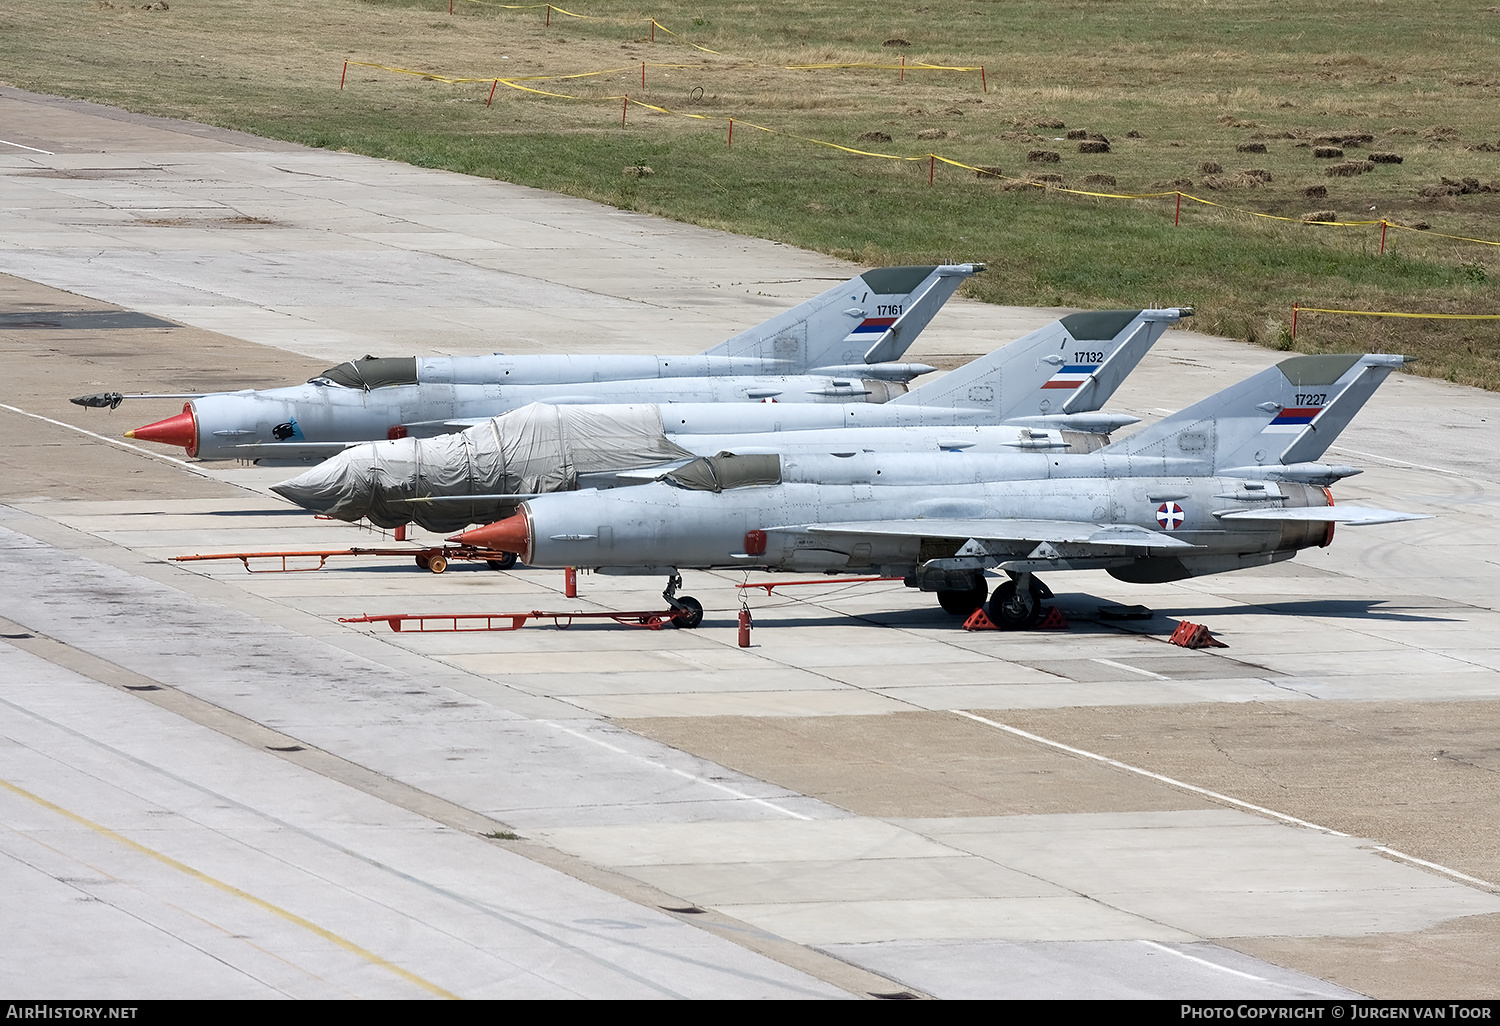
pixel 537 448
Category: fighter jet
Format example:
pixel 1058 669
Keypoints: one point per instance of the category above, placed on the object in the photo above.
pixel 1228 483
pixel 837 348
pixel 1039 393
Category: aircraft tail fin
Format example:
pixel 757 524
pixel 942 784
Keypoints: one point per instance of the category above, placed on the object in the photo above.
pixel 872 318
pixel 1072 366
pixel 1287 414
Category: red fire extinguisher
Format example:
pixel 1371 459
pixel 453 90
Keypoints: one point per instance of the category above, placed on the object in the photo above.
pixel 744 626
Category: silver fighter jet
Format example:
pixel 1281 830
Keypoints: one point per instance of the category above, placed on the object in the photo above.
pixel 1039 393
pixel 837 348
pixel 1229 483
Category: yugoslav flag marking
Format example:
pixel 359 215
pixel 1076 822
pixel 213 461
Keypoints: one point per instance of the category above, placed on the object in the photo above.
pixel 1071 376
pixel 1170 516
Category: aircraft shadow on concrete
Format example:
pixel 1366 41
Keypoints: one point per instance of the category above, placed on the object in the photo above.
pixel 1343 609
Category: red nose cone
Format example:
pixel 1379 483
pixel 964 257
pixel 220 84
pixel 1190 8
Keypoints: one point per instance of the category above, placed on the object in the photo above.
pixel 510 535
pixel 179 430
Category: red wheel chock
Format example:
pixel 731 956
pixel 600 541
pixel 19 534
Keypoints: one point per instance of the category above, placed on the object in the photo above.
pixel 1194 635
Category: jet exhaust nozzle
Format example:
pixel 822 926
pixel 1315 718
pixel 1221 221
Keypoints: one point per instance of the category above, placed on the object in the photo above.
pixel 179 430
pixel 512 534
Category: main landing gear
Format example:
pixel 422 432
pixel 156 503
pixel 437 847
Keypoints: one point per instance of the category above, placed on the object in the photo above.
pixel 962 603
pixel 689 609
pixel 1017 604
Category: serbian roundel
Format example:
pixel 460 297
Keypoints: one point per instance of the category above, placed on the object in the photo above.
pixel 1170 516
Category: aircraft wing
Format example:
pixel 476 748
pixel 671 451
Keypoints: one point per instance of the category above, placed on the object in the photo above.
pixel 1354 516
pixel 1010 532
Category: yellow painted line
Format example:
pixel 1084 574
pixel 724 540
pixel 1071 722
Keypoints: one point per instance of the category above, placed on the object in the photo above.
pixel 261 903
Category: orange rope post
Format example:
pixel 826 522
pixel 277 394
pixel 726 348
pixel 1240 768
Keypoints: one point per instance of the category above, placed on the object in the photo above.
pixel 1383 225
pixel 493 86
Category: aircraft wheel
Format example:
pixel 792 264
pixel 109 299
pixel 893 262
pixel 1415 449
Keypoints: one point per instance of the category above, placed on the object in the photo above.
pixel 962 603
pixel 694 615
pixel 1017 609
pixel 422 561
pixel 437 564
pixel 505 562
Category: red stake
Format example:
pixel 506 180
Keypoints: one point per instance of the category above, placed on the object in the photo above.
pixel 623 108
pixel 731 134
pixel 1383 224
pixel 492 92
pixel 450 6
pixel 549 15
pixel 343 76
pixel 643 74
pixel 981 79
pixel 1294 320
pixel 903 67
pixel 653 30
pixel 931 167
pixel 1178 219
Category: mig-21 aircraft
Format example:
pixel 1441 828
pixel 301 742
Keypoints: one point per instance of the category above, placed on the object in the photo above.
pixel 836 348
pixel 1228 483
pixel 1039 393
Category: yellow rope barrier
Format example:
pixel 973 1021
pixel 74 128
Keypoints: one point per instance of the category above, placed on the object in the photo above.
pixel 513 83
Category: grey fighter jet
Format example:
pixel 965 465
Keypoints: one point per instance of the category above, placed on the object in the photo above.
pixel 1229 483
pixel 1039 393
pixel 837 348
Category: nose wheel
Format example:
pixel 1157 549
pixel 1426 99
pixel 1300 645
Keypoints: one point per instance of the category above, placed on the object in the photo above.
pixel 1017 604
pixel 505 562
pixel 689 610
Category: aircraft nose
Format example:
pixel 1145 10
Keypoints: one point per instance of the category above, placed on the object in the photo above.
pixel 179 430
pixel 512 534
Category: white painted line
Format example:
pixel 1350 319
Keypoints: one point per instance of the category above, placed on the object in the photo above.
pixel 1400 463
pixel 681 773
pixel 33 149
pixel 104 438
pixel 1132 669
pixel 1203 961
pixel 1393 853
pixel 1216 796
pixel 1147 773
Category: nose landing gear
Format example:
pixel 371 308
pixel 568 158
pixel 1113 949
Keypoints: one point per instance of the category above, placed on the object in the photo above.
pixel 689 609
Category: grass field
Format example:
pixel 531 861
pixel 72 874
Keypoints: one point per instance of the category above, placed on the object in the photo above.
pixel 1175 87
